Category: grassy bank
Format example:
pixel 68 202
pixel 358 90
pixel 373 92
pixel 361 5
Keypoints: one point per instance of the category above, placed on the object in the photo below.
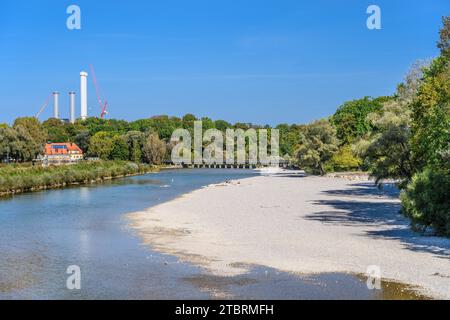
pixel 18 178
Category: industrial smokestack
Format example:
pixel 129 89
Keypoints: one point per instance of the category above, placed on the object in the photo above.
pixel 56 104
pixel 72 106
pixel 83 95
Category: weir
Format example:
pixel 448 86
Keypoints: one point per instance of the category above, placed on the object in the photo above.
pixel 247 165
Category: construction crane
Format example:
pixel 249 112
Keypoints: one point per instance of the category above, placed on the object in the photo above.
pixel 103 105
pixel 47 101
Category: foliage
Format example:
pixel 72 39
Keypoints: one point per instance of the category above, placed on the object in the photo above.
pixel 82 139
pixel 31 138
pixel 154 149
pixel 444 37
pixel 23 177
pixel 351 121
pixel 430 123
pixel 318 144
pixel 119 150
pixel 289 138
pixel 426 201
pixel 386 149
pixel 56 130
pixel 135 141
pixel 344 160
pixel 101 145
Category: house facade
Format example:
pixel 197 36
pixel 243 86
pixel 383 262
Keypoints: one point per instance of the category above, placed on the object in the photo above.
pixel 62 153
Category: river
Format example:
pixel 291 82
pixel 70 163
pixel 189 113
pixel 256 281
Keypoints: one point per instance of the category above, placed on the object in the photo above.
pixel 43 233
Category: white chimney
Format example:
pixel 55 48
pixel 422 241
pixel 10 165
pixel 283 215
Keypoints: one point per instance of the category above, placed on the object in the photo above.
pixel 56 104
pixel 72 107
pixel 83 95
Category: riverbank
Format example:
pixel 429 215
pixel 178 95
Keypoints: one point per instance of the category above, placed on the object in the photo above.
pixel 17 178
pixel 304 225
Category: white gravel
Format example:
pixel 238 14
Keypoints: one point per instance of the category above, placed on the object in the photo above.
pixel 297 224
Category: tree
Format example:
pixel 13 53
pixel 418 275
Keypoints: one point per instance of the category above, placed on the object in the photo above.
pixel 426 201
pixel 164 126
pixel 389 155
pixel 350 119
pixel 9 144
pixel 222 125
pixel 135 141
pixel 318 144
pixel 154 149
pixel 188 121
pixel 386 149
pixel 119 150
pixel 207 124
pixel 56 130
pixel 32 137
pixel 289 138
pixel 82 139
pixel 101 145
pixel 444 39
pixel 430 125
pixel 344 160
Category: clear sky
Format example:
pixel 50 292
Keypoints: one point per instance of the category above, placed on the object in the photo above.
pixel 260 61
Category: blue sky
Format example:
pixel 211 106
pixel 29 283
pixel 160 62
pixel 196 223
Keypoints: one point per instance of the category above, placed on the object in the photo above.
pixel 260 61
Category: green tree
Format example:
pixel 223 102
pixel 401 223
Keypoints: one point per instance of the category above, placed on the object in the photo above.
pixel 444 39
pixel 426 201
pixel 350 119
pixel 56 130
pixel 164 126
pixel 119 150
pixel 154 149
pixel 207 124
pixel 222 125
pixel 289 139
pixel 101 145
pixel 344 160
pixel 82 139
pixel 135 141
pixel 318 144
pixel 32 137
pixel 9 143
pixel 386 149
pixel 430 126
pixel 188 121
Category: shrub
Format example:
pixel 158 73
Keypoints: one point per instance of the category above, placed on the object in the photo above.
pixel 344 160
pixel 24 177
pixel 426 201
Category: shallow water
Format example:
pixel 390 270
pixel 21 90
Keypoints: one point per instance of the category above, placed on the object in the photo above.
pixel 43 233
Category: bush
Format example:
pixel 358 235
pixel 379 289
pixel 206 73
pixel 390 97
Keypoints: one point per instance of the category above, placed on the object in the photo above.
pixel 426 201
pixel 15 177
pixel 344 160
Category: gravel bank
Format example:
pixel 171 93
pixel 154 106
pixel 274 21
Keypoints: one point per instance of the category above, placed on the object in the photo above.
pixel 297 224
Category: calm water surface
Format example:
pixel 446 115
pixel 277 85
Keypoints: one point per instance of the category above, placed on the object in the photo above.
pixel 43 233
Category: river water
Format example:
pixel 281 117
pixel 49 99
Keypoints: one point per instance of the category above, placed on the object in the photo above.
pixel 43 233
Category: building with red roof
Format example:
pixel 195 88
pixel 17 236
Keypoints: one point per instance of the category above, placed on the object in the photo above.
pixel 62 153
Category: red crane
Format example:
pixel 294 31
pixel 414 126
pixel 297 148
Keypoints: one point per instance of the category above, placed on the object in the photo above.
pixel 103 105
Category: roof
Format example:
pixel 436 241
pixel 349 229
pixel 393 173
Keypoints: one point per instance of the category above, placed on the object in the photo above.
pixel 61 148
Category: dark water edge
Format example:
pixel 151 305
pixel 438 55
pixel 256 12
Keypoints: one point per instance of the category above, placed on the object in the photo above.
pixel 265 283
pixel 43 233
